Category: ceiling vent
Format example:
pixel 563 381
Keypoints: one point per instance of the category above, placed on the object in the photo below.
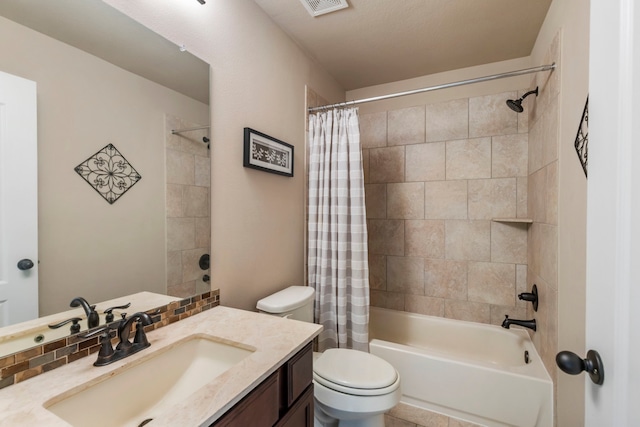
pixel 320 7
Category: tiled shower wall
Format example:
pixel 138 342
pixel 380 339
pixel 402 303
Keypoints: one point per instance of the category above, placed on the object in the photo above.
pixel 188 172
pixel 436 177
pixel 543 206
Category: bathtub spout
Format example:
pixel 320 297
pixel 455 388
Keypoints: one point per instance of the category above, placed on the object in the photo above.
pixel 531 324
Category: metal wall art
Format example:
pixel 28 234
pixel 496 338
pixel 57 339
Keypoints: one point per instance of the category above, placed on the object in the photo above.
pixel 582 138
pixel 109 173
pixel 267 154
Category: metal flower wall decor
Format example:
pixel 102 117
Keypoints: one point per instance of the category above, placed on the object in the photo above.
pixel 582 138
pixel 109 173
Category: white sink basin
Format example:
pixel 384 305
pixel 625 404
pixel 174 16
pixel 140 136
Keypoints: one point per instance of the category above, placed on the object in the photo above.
pixel 139 392
pixel 40 335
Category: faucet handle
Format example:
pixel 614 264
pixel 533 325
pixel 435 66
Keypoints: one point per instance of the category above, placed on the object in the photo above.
pixel 75 327
pixel 109 311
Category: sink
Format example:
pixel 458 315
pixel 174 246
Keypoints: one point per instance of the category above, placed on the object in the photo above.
pixel 137 393
pixel 39 335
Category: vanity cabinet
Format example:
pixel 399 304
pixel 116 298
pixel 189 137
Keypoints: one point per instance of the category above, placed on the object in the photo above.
pixel 284 399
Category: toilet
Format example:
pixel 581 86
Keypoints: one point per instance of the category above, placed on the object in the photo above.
pixel 351 388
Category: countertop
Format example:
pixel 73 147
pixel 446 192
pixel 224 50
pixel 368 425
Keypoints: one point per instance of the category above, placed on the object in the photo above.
pixel 275 339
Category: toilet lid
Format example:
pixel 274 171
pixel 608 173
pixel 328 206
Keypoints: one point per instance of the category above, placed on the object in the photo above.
pixel 354 369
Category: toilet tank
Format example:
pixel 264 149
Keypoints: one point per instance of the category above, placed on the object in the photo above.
pixel 294 302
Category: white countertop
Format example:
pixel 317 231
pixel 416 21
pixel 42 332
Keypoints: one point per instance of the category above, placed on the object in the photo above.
pixel 275 339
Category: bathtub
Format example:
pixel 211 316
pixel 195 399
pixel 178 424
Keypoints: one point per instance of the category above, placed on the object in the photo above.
pixel 464 370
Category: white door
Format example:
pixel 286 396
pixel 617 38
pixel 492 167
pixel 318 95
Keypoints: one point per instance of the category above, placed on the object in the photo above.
pixel 18 200
pixel 613 213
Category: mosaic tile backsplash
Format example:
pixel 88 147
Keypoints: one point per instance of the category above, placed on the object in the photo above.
pixel 21 366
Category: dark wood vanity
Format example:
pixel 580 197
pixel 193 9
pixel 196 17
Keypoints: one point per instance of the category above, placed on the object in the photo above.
pixel 284 399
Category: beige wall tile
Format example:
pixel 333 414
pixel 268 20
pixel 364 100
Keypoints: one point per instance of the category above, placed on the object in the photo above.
pixel 196 201
pixel 180 234
pixel 468 159
pixel 425 162
pixel 365 165
pixel 386 164
pixel 447 120
pixel 424 305
pixel 467 310
pixel 468 240
pixel 378 272
pixel 376 200
pixel 383 299
pixel 405 275
pixel 445 278
pixel 550 131
pixel 523 118
pixel 537 195
pixel 202 171
pixel 203 232
pixel 509 155
pixel 521 197
pixel 522 285
pixel 492 283
pixel 424 238
pixel 548 254
pixel 492 198
pixel 183 290
pixel 406 126
pixel 386 236
pixel 509 242
pixel 174 200
pixel 180 168
pixel 445 200
pixel 174 268
pixel 405 200
pixel 190 264
pixel 489 115
pixel 373 130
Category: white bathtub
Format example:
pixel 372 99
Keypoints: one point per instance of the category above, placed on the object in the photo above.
pixel 464 370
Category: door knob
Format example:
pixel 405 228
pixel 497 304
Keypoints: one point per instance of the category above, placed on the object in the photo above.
pixel 572 364
pixel 25 264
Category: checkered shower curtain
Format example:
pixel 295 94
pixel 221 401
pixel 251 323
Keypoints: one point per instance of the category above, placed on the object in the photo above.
pixel 338 264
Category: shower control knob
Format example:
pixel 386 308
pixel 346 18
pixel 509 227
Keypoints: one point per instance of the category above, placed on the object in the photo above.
pixel 25 264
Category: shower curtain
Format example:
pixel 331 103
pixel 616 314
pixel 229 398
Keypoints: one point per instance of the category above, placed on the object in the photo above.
pixel 337 230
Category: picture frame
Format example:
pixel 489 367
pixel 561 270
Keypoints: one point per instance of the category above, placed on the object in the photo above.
pixel 268 154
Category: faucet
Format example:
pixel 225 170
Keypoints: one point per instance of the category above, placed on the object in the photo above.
pixel 531 324
pixel 93 319
pixel 125 348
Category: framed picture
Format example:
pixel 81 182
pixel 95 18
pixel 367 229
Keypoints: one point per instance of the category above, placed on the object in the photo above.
pixel 267 154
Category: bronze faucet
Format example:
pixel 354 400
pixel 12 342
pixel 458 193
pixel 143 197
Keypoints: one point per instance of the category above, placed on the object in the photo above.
pixel 125 348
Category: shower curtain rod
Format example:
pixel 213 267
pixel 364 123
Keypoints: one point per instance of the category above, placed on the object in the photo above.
pixel 437 87
pixel 176 131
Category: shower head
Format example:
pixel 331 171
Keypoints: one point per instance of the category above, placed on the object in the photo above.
pixel 516 104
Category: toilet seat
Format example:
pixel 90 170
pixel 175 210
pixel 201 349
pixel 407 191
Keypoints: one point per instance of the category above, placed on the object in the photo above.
pixel 355 372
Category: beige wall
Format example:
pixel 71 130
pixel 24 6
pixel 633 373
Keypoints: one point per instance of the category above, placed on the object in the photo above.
pixel 571 18
pixel 436 176
pixel 86 246
pixel 258 81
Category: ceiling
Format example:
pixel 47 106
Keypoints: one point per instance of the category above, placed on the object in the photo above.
pixel 381 41
pixel 99 29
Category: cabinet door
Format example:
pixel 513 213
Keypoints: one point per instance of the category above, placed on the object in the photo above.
pixel 258 409
pixel 301 413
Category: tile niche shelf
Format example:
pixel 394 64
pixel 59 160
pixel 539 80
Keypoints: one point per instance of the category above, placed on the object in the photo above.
pixel 514 220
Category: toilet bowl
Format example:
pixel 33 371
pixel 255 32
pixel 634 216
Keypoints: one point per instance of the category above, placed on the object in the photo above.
pixel 351 388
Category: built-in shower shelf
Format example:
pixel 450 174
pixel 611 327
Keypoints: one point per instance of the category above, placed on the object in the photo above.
pixel 516 220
